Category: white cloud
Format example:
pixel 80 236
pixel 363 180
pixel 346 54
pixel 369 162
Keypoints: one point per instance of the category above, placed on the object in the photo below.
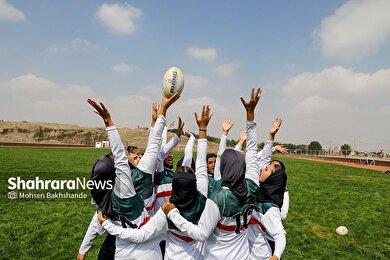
pixel 123 68
pixel 357 28
pixel 9 13
pixel 317 105
pixel 196 82
pixel 339 82
pixel 119 18
pixel 76 45
pixel 126 110
pixel 33 98
pixel 333 104
pixel 228 69
pixel 207 54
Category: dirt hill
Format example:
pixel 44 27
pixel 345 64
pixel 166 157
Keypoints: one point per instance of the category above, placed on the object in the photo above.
pixel 50 133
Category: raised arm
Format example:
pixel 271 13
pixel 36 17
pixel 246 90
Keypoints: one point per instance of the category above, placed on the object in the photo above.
pixel 175 140
pixel 202 180
pixel 166 148
pixel 242 140
pixel 266 155
pixel 123 187
pixel 252 170
pixel 187 161
pixel 227 124
pixel 148 162
pixel 155 109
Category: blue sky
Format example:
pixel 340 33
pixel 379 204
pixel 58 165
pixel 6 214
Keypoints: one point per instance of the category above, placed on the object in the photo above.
pixel 323 65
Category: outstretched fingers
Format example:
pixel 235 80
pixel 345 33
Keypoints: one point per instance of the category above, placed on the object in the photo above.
pixel 278 121
pixel 95 105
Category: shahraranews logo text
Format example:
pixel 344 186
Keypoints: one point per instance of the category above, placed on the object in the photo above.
pixel 16 183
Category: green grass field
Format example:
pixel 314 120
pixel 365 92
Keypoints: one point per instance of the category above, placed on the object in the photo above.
pixel 322 197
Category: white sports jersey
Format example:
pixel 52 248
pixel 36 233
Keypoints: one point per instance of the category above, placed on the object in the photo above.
pixel 163 176
pixel 224 233
pixel 124 191
pixel 268 225
pixel 178 245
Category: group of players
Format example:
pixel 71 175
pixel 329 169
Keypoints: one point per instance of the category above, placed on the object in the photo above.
pixel 225 206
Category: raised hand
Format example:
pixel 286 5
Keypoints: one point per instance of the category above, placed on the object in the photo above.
pixel 203 121
pixel 227 124
pixel 102 111
pixel 155 109
pixel 281 149
pixel 250 104
pixel 167 102
pixel 275 127
pixel 179 130
pixel 189 133
pixel 243 135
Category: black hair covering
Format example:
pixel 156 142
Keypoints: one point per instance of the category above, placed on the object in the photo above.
pixel 183 188
pixel 272 189
pixel 233 173
pixel 103 170
pixel 180 163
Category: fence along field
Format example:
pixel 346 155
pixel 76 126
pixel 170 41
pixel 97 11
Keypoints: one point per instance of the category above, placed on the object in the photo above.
pixel 322 197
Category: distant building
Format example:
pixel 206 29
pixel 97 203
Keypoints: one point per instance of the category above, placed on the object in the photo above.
pixel 102 144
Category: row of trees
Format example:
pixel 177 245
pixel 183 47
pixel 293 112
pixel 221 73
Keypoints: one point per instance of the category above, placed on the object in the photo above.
pixel 313 147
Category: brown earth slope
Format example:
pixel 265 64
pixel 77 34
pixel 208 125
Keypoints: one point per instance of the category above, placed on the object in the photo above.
pixel 50 133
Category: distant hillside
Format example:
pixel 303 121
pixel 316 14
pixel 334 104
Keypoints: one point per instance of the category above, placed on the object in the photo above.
pixel 51 133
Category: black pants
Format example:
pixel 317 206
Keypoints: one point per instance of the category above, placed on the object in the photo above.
pixel 107 250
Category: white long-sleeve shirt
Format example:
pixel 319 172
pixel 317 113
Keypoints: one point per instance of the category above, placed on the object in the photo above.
pixel 163 189
pixel 285 206
pixel 124 188
pixel 221 149
pixel 90 235
pixel 187 160
pixel 266 154
pixel 178 245
pixel 218 231
pixel 267 226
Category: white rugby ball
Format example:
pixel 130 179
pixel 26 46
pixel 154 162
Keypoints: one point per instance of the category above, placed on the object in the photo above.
pixel 341 230
pixel 173 82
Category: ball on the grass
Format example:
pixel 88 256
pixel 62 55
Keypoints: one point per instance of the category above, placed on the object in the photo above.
pixel 173 82
pixel 341 230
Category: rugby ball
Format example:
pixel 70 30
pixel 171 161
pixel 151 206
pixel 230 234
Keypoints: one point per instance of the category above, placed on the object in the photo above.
pixel 173 82
pixel 341 230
